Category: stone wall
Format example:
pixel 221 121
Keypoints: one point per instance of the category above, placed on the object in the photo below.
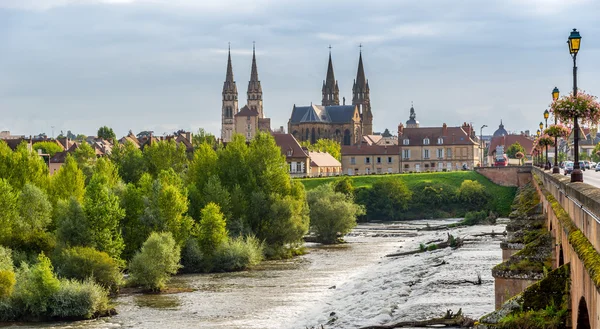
pixel 506 288
pixel 507 176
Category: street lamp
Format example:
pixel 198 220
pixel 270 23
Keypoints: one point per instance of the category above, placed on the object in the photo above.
pixel 574 43
pixel 481 143
pixel 542 154
pixel 555 169
pixel 538 133
pixel 547 163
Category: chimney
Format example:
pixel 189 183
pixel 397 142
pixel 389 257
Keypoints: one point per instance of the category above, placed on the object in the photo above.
pixel 188 136
pixel 343 100
pixel 444 130
pixel 400 130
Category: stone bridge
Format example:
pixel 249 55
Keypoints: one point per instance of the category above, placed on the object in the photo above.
pixel 507 176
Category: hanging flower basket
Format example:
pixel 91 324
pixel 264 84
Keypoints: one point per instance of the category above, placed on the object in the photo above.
pixel 546 140
pixel 584 106
pixel 557 130
pixel 519 155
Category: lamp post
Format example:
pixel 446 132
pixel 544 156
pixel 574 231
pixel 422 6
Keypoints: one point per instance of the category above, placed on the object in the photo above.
pixel 542 155
pixel 555 169
pixel 538 149
pixel 481 143
pixel 547 162
pixel 574 43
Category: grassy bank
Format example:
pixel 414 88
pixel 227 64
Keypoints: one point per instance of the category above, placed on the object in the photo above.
pixel 502 195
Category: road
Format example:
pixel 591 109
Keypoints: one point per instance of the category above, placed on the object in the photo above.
pixel 590 176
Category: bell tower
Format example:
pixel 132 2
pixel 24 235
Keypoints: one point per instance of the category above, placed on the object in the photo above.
pixel 255 95
pixel 360 97
pixel 331 91
pixel 229 103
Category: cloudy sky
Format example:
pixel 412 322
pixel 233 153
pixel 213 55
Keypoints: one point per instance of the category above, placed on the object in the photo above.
pixel 160 64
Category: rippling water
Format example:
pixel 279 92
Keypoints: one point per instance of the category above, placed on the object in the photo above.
pixel 342 286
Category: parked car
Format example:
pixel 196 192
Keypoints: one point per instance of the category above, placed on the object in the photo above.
pixel 598 167
pixel 586 164
pixel 568 167
pixel 582 165
pixel 593 165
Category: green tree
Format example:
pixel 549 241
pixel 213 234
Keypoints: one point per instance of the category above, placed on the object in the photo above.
pixel 106 133
pixel 325 145
pixel 67 182
pixel 202 137
pixel 386 200
pixel 331 213
pixel 22 166
pixel 30 232
pixel 103 215
pixel 212 232
pixel 473 195
pixel 35 286
pixel 203 166
pixel 158 259
pixel 165 155
pixel 268 165
pixel 514 149
pixel 233 164
pixel 213 192
pixel 133 230
pixel 107 172
pixel 344 185
pixel 10 211
pixel 47 147
pixel 72 225
pixel 86 158
pixel 129 160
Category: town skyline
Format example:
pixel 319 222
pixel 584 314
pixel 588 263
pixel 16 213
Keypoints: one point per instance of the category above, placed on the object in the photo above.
pixel 151 66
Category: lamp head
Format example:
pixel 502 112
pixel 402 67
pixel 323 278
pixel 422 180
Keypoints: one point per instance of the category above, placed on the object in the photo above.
pixel 555 93
pixel 538 133
pixel 574 42
pixel 546 114
pixel 541 125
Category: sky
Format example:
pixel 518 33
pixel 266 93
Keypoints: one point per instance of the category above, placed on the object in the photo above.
pixel 160 64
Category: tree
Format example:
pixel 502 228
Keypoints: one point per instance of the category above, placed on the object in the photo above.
pixel 512 150
pixel 344 185
pixel 331 213
pixel 325 145
pixel 202 137
pixel 473 195
pixel 129 160
pixel 50 148
pixel 72 226
pixel 10 212
pixel 386 200
pixel 158 259
pixel 85 156
pixel 268 165
pixel 203 166
pixel 22 166
pixel 163 155
pixel 386 133
pixel 103 215
pixel 106 133
pixel 212 232
pixel 68 182
pixel 30 233
pixel 107 172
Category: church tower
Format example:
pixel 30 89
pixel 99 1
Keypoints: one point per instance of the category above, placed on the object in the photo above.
pixel 331 91
pixel 360 98
pixel 255 95
pixel 230 103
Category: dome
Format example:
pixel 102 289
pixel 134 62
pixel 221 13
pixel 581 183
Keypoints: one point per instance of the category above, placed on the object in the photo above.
pixel 500 131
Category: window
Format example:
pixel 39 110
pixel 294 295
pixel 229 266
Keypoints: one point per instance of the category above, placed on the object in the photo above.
pixel 449 152
pixel 378 159
pixel 367 160
pixel 368 171
pixel 406 154
pixel 426 141
pixel 352 160
pixel 426 154
pixel 379 170
pixel 418 168
pixel 405 141
pixel 440 153
pixel 249 135
pixel 289 153
pixel 440 166
pixel 248 127
pixel 291 167
pixel 389 159
pixel 440 141
pixel 298 166
pixel 406 166
pixel 449 166
pixel 248 119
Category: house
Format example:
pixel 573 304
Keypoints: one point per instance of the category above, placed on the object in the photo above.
pixel 367 159
pixel 324 164
pixel 296 157
pixel 506 141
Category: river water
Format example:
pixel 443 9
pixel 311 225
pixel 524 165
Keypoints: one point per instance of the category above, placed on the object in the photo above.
pixel 342 286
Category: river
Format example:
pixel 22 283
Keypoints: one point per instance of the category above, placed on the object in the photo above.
pixel 342 286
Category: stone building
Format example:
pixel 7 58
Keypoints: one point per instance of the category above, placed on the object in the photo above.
pixel 437 148
pixel 248 121
pixel 364 159
pixel 343 123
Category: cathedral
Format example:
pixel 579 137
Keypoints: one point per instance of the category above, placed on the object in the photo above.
pixel 343 123
pixel 250 119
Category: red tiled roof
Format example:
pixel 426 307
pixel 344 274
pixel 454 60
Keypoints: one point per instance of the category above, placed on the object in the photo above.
pixel 508 140
pixel 287 142
pixel 370 149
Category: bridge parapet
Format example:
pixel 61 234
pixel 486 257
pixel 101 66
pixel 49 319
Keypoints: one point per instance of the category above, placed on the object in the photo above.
pixel 507 176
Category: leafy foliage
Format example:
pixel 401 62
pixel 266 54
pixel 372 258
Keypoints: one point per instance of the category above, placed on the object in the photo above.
pixel 512 150
pixel 68 182
pixel 83 263
pixel 387 199
pixel 325 145
pixel 158 259
pixel 106 133
pixel 35 286
pixel 211 231
pixel 47 147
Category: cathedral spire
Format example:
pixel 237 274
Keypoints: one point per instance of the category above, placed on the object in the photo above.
pixel 331 91
pixel 254 73
pixel 229 77
pixel 361 81
pixel 255 95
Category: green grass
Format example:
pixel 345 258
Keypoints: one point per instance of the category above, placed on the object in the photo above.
pixel 502 196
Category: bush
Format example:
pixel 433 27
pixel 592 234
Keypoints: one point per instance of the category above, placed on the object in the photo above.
pixel 83 263
pixel 386 200
pixel 475 217
pixel 153 265
pixel 473 195
pixel 192 258
pixel 344 185
pixel 331 213
pixel 35 286
pixel 76 299
pixel 6 262
pixel 212 230
pixel 7 282
pixel 238 254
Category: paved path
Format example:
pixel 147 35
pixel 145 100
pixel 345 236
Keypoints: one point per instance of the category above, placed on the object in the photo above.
pixel 590 176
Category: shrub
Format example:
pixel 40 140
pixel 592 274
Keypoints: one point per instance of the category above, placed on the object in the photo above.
pixel 7 282
pixel 212 230
pixel 331 213
pixel 473 195
pixel 82 263
pixel 6 262
pixel 386 200
pixel 153 265
pixel 238 254
pixel 344 185
pixel 35 285
pixel 192 258
pixel 475 217
pixel 75 299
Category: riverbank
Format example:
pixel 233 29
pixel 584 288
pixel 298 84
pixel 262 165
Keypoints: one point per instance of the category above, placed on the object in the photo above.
pixel 355 280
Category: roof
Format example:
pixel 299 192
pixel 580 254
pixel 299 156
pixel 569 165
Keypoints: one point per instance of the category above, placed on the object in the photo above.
pixel 287 143
pixel 500 131
pixel 371 139
pixel 59 157
pixel 370 150
pixel 323 159
pixel 247 112
pixel 13 143
pixel 323 114
pixel 509 140
pixel 449 135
